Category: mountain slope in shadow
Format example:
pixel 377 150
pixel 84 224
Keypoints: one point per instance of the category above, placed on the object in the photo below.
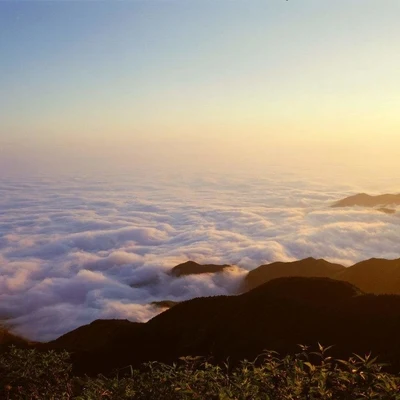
pixel 378 276
pixel 309 267
pixel 277 315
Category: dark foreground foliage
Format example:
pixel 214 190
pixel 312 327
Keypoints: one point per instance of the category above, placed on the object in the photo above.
pixel 29 374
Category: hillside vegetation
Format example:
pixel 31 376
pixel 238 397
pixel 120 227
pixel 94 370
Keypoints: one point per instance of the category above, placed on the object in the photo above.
pixel 28 374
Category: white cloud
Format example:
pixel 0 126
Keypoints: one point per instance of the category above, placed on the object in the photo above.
pixel 76 250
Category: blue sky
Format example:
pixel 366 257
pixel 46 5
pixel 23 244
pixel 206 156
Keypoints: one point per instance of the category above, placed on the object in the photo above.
pixel 243 74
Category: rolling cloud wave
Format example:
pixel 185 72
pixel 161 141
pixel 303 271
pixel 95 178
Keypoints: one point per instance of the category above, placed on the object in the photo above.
pixel 72 251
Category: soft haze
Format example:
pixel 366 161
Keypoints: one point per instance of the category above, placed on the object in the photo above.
pixel 143 84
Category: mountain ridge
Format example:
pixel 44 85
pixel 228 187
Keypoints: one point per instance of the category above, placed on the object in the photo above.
pixel 193 268
pixel 276 315
pixel 366 200
pixel 375 275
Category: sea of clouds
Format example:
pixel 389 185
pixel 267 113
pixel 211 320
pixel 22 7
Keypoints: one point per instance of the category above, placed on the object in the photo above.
pixel 76 249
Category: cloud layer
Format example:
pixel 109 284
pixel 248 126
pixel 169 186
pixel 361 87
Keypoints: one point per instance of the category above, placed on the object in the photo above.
pixel 75 250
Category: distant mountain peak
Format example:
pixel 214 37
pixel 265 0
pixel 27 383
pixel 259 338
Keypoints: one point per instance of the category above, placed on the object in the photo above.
pixel 193 268
pixel 366 200
pixel 308 267
pixel 376 275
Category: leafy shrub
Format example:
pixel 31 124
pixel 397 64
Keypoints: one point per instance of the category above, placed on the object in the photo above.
pixel 306 376
pixel 29 374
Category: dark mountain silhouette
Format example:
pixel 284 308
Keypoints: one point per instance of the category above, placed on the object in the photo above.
pixel 192 268
pixel 97 335
pixel 309 267
pixel 378 276
pixel 365 200
pixel 276 315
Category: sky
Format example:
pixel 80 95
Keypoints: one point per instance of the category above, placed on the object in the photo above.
pixel 140 84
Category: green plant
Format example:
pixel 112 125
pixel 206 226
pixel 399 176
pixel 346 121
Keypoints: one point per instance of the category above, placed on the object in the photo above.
pixel 308 375
pixel 30 374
